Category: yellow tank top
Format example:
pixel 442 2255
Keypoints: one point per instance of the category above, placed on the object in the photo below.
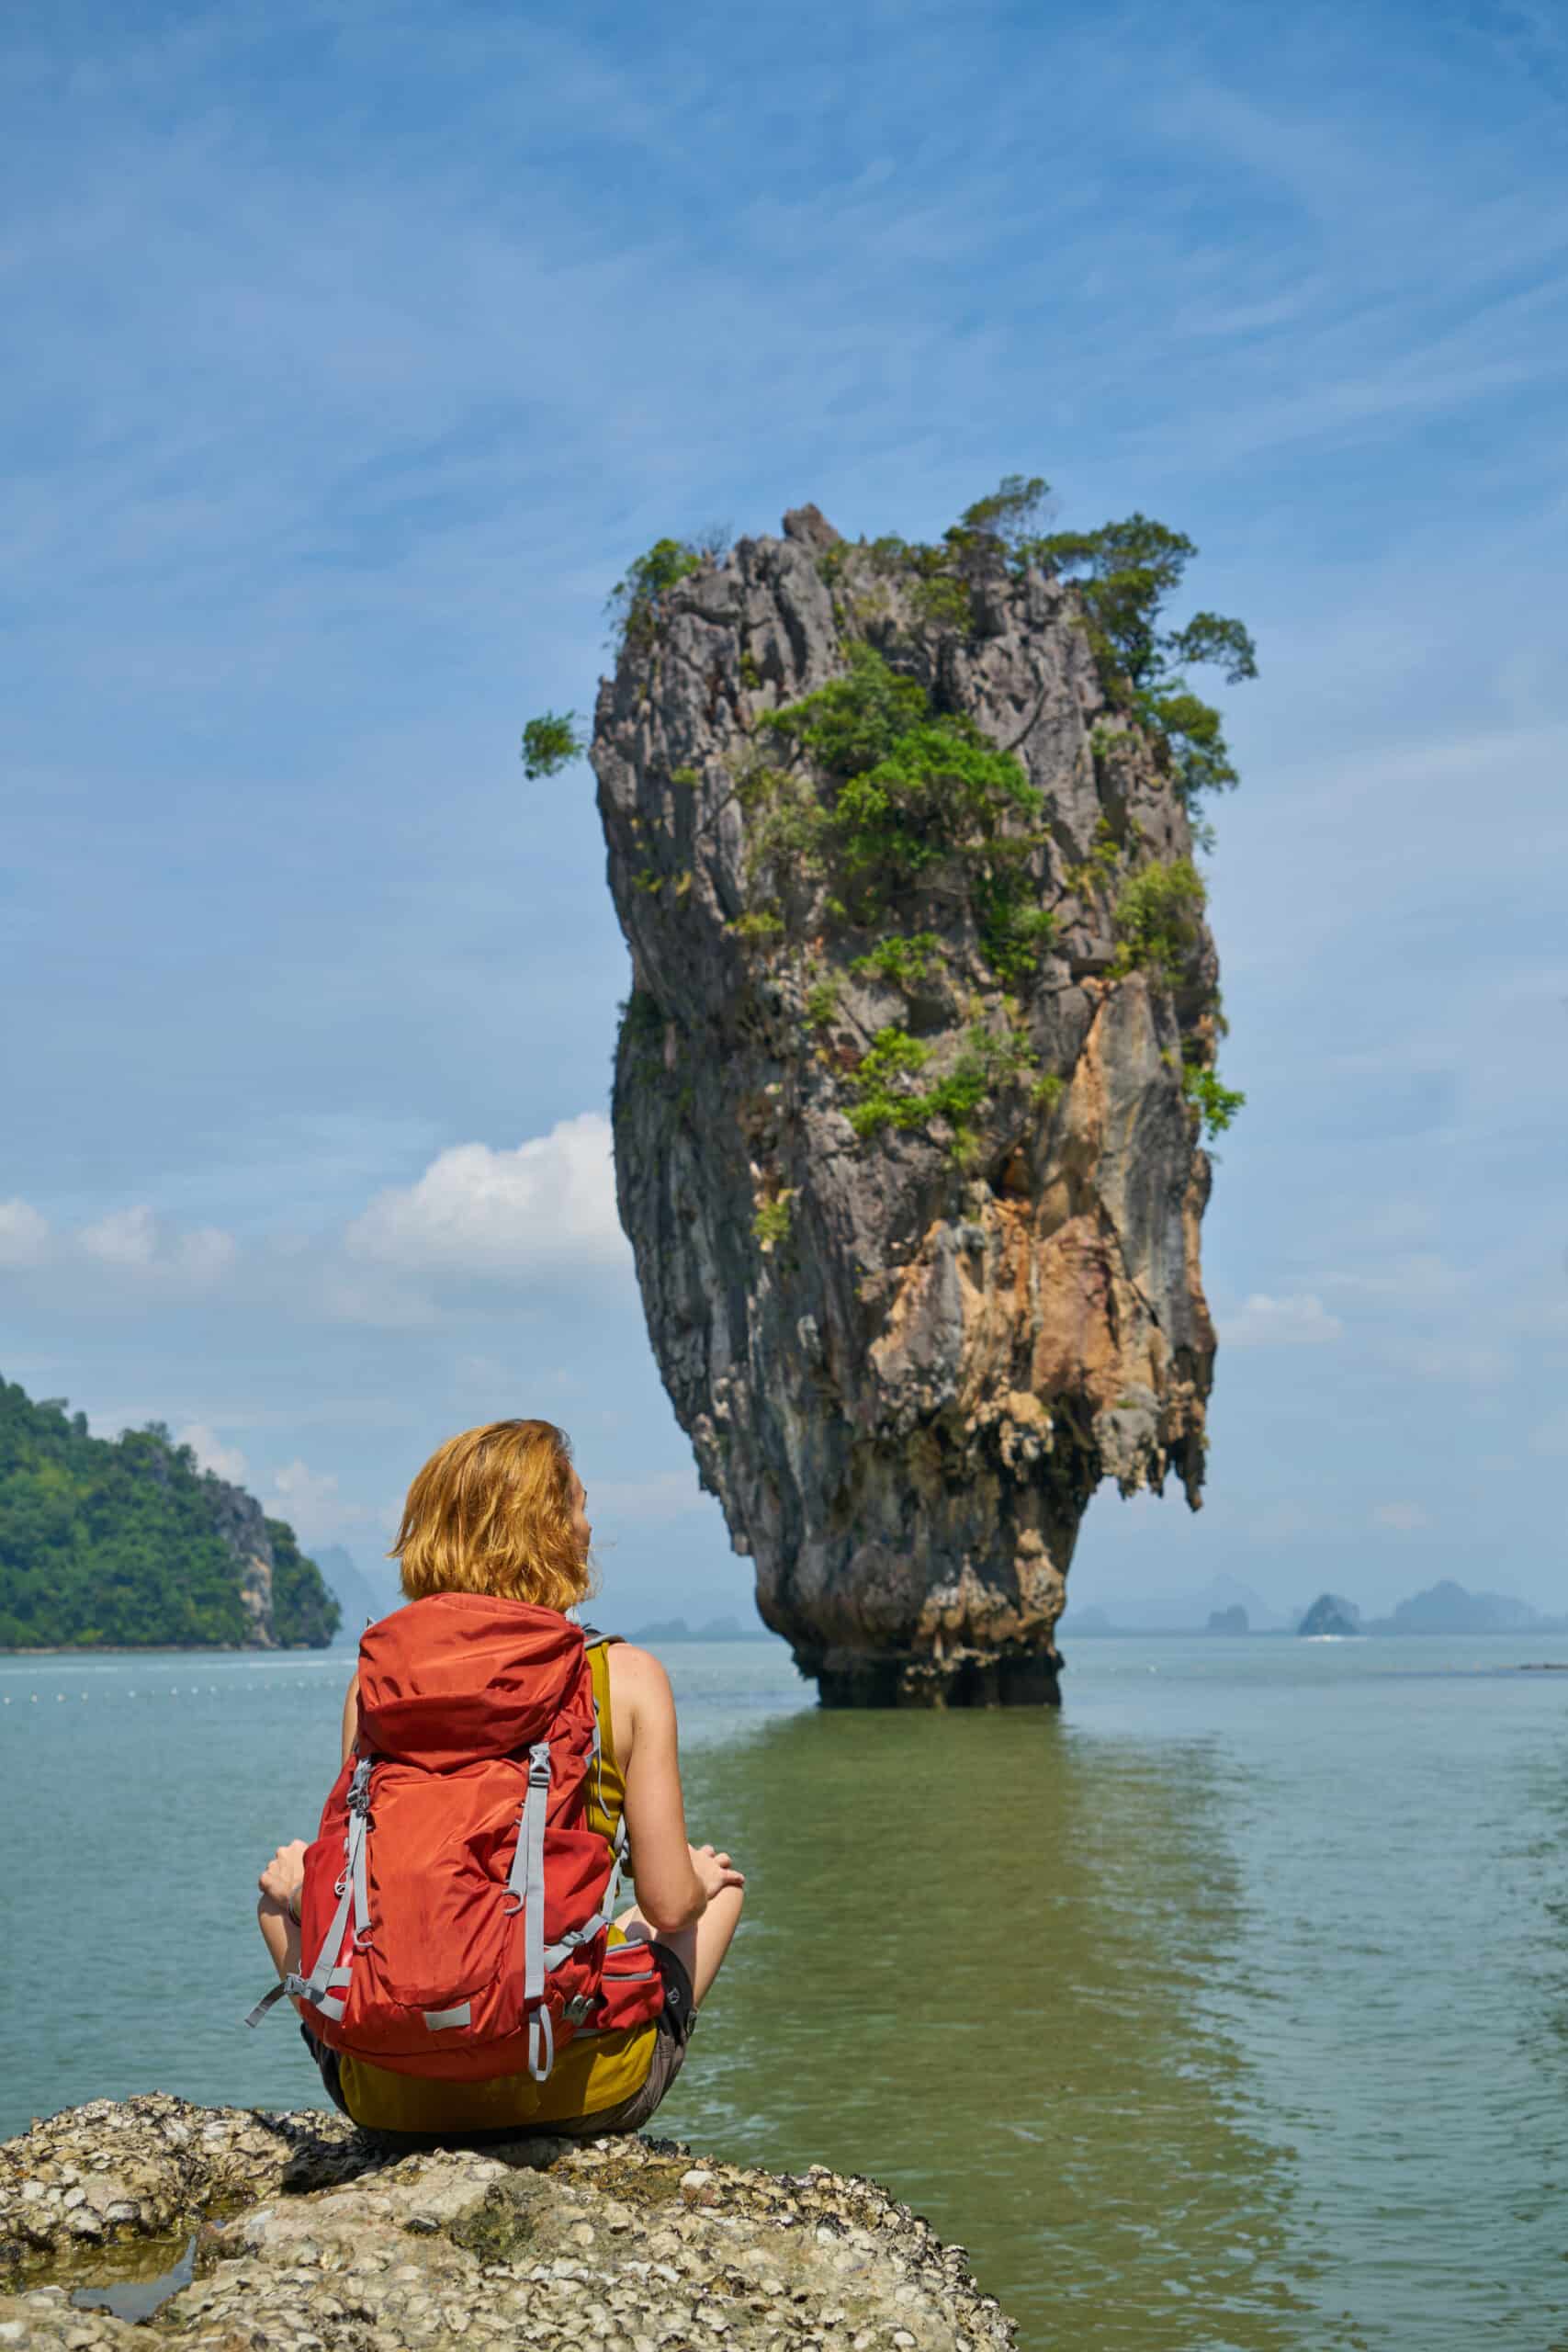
pixel 592 2072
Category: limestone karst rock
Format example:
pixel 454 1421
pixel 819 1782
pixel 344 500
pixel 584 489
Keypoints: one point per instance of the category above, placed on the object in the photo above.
pixel 906 1136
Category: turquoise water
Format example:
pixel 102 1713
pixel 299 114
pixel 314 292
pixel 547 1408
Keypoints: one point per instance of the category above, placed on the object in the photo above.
pixel 1229 2008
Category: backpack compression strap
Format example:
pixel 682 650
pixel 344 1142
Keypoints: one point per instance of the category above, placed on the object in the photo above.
pixel 353 1895
pixel 525 1887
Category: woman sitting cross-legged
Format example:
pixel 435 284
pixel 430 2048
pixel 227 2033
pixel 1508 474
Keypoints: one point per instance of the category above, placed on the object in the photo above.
pixel 449 1939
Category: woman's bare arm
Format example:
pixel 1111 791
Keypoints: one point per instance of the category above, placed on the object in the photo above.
pixel 278 1913
pixel 674 1881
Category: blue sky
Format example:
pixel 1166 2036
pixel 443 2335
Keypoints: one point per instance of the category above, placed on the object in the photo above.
pixel 353 351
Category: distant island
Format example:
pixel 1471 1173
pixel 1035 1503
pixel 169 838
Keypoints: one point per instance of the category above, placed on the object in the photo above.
pixel 126 1544
pixel 1448 1608
pixel 1330 1618
pixel 716 1629
pixel 1224 1607
pixel 1443 1608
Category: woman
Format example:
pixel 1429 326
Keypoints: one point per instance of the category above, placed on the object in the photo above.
pixel 501 1511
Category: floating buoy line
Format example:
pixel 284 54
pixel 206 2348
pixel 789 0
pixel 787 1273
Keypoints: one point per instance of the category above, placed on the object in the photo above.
pixel 176 1691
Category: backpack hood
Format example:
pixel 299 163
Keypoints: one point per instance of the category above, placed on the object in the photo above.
pixel 460 1676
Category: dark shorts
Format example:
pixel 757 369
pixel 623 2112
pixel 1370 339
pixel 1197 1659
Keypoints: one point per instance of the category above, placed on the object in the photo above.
pixel 671 2033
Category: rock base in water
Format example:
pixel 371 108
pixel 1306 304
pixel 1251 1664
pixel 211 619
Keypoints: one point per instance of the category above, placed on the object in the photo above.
pixel 310 2236
pixel 1010 1679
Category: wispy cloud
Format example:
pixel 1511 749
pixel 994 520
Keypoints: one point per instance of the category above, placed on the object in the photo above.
pixel 24 1235
pixel 313 1505
pixel 1405 1519
pixel 1264 1322
pixel 223 1461
pixel 132 1246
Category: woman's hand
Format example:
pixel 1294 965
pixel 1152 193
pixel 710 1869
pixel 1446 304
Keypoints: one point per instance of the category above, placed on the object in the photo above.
pixel 284 1876
pixel 715 1871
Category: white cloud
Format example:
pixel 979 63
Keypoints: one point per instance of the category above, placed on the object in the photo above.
pixel 1264 1322
pixel 310 1502
pixel 549 1205
pixel 1414 1279
pixel 669 1494
pixel 24 1235
pixel 134 1241
pixel 204 1254
pixel 1405 1519
pixel 1280 1522
pixel 125 1237
pixel 1475 1362
pixel 225 1460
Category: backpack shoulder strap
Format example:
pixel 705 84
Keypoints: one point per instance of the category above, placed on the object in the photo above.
pixel 594 1639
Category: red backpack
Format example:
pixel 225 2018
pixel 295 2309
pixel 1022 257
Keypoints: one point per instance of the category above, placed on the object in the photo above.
pixel 456 1903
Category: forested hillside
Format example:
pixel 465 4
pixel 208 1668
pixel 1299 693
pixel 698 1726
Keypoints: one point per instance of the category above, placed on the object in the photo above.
pixel 127 1544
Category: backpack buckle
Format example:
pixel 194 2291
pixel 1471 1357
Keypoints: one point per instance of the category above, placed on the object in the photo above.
pixel 577 2008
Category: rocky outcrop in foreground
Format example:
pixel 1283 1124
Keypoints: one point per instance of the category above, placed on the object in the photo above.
pixel 309 2237
pixel 923 1008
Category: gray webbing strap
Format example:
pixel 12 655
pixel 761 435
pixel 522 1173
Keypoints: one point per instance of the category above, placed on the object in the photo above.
pixel 255 2016
pixel 534 1892
pixel 460 2013
pixel 354 1899
pixel 332 1943
pixel 525 1891
pixel 356 1843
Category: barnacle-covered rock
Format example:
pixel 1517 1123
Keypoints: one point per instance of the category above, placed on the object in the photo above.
pixel 312 2237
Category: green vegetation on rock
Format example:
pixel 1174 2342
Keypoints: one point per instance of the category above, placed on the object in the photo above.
pixel 1216 1105
pixel 879 791
pixel 771 1224
pixel 634 604
pixel 875 811
pixel 1159 916
pixel 551 742
pixel 906 963
pixel 1123 573
pixel 127 1543
pixel 885 1095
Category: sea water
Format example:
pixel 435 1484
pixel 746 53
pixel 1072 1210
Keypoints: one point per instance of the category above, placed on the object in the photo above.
pixel 1227 2009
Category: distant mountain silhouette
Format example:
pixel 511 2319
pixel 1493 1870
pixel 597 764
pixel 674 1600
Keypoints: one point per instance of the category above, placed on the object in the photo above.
pixel 1184 1610
pixel 1078 1623
pixel 357 1598
pixel 716 1629
pixel 1448 1608
pixel 1330 1613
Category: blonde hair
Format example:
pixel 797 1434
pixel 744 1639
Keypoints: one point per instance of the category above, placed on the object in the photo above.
pixel 491 1511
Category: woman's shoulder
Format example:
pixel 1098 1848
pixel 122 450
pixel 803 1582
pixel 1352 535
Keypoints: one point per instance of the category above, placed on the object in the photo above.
pixel 636 1669
pixel 639 1686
